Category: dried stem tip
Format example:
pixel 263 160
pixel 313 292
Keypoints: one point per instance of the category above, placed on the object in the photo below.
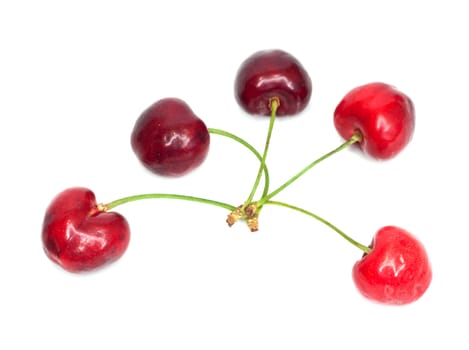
pixel 234 216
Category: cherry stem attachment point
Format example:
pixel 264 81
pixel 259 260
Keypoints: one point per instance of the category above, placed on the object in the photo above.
pixel 364 248
pixel 274 103
pixel 113 204
pixel 356 137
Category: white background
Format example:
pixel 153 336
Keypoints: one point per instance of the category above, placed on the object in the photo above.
pixel 75 76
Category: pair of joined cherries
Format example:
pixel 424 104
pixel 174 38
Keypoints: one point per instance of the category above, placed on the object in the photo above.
pixel 169 139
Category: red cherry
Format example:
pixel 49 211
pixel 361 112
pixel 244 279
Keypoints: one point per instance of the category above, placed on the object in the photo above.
pixel 270 74
pixel 169 139
pixel 384 116
pixel 79 236
pixel 396 271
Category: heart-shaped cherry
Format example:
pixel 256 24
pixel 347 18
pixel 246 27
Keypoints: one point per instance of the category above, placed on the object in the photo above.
pixel 272 74
pixel 79 236
pixel 169 139
pixel 384 117
pixel 396 271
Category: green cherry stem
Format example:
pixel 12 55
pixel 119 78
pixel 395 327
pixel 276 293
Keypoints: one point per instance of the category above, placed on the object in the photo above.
pixel 356 137
pixel 248 146
pixel 117 202
pixel 364 248
pixel 274 104
pixel 134 198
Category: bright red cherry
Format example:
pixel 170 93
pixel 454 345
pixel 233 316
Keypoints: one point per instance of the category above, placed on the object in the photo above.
pixel 169 139
pixel 384 116
pixel 270 74
pixel 396 271
pixel 79 236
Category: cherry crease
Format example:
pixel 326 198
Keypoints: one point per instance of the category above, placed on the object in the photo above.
pixel 169 139
pixel 272 74
pixel 79 236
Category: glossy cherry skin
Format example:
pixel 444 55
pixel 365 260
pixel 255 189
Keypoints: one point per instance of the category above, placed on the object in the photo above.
pixel 383 115
pixel 397 270
pixel 78 236
pixel 169 139
pixel 272 74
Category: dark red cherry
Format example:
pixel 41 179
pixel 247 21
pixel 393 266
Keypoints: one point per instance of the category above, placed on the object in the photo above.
pixel 169 139
pixel 272 74
pixel 79 236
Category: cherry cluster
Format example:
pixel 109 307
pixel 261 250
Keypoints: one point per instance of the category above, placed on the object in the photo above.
pixel 171 140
